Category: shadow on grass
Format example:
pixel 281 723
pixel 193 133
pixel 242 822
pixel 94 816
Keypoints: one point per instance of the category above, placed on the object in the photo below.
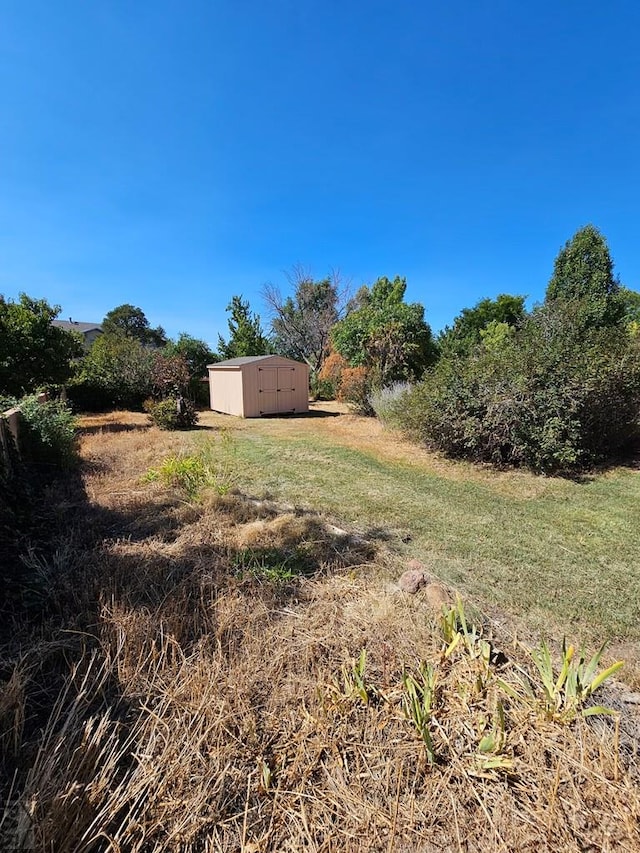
pixel 629 461
pixel 113 427
pixel 312 413
pixel 157 562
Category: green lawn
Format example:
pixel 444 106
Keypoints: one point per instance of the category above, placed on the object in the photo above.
pixel 564 555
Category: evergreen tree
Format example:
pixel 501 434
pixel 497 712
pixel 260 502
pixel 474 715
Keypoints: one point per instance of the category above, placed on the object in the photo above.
pixel 583 276
pixel 246 336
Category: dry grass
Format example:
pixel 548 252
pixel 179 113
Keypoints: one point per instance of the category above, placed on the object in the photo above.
pixel 171 702
pixel 560 556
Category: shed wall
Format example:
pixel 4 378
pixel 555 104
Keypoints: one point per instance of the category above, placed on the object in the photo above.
pixel 225 391
pixel 275 386
pixel 270 386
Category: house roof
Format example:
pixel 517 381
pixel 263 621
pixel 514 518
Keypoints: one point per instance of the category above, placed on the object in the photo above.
pixel 76 326
pixel 243 359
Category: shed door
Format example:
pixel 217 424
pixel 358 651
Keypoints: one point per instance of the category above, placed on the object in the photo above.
pixel 275 389
pixel 268 389
pixel 286 387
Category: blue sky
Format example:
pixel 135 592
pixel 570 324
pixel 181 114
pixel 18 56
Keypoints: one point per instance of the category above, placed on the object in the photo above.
pixel 172 154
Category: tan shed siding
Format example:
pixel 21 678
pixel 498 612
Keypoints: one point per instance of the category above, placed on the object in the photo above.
pixel 257 401
pixel 250 395
pixel 225 388
pixel 301 393
pixel 267 386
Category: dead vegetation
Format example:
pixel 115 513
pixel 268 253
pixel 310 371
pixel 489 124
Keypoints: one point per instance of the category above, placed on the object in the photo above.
pixel 221 674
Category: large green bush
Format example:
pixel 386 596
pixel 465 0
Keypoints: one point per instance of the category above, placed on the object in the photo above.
pixel 47 434
pixel 172 413
pixel 553 397
pixel 33 352
pixel 47 430
pixel 116 372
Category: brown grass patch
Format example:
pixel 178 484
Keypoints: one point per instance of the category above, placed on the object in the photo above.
pixel 171 703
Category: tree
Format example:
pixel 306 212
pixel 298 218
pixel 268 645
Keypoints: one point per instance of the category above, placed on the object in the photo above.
pixel 197 355
pixel 246 336
pixel 301 324
pixel 131 322
pixel 630 301
pixel 385 334
pixel 33 353
pixel 583 276
pixel 117 371
pixel 169 375
pixel 470 326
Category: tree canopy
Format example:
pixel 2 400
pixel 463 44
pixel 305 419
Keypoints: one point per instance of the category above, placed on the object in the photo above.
pixel 385 334
pixel 246 336
pixel 197 356
pixel 301 324
pixel 132 322
pixel 583 275
pixel 486 319
pixel 33 352
pixel 115 372
pixel 630 302
pixel 196 352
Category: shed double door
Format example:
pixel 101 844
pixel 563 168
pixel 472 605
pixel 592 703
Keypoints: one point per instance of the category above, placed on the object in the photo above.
pixel 275 389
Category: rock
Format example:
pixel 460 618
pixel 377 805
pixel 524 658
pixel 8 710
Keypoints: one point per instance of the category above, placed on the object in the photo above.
pixel 437 597
pixel 412 580
pixel 417 566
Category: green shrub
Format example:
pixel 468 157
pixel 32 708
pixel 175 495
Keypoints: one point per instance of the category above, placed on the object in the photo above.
pixel 115 373
pixel 87 395
pixel 322 389
pixel 173 413
pixel 47 432
pixel 553 397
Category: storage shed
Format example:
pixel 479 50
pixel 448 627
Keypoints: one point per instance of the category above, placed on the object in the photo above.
pixel 259 385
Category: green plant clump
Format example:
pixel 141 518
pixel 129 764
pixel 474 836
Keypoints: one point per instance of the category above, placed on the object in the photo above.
pixel 188 474
pixel 272 564
pixel 47 432
pixel 173 413
pixel 553 397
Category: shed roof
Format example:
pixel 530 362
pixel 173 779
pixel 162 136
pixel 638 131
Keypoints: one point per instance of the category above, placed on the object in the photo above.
pixel 248 359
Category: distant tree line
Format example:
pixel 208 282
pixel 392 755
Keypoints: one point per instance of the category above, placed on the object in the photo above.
pixel 554 388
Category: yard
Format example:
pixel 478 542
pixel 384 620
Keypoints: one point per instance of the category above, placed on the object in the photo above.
pixel 561 555
pixel 225 661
